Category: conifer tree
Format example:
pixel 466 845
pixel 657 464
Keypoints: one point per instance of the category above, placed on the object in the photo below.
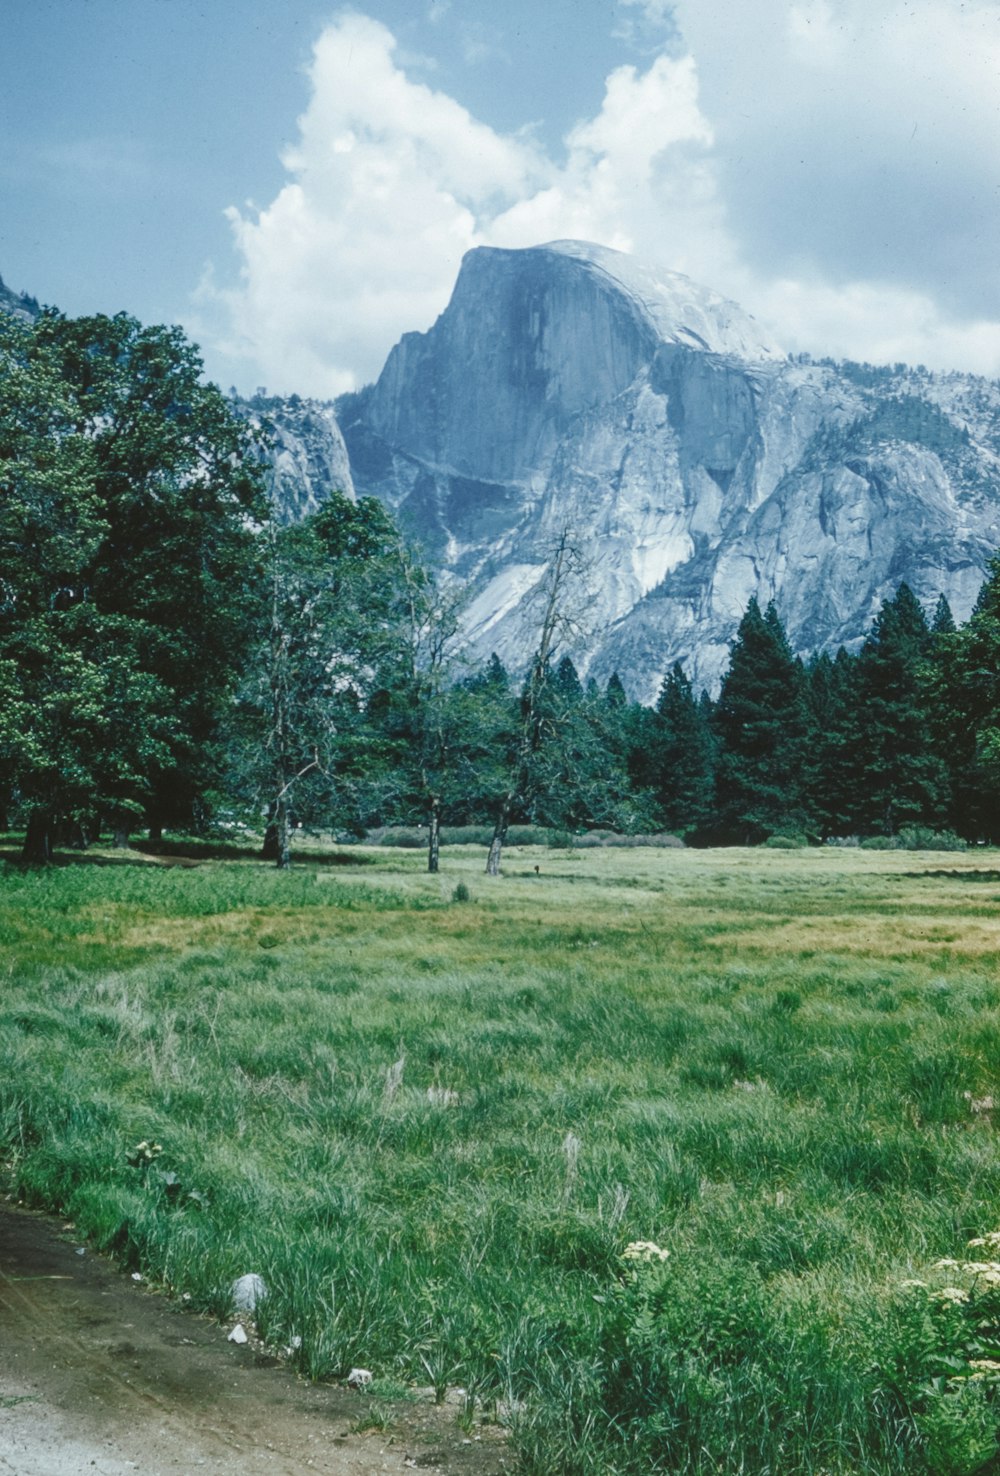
pixel 683 753
pixel 832 705
pixel 967 669
pixel 899 776
pixel 760 725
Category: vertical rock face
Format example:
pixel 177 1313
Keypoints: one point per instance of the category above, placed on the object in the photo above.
pixel 306 457
pixel 18 304
pixel 568 386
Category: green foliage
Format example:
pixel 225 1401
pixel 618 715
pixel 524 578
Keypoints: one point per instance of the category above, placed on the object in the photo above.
pixel 924 838
pixel 938 1354
pixel 125 498
pixel 760 723
pixel 330 645
pixel 680 752
pixel 433 1128
pixel 899 777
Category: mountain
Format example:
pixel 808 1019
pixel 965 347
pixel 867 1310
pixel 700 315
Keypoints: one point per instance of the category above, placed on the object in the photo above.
pixel 568 386
pixel 306 459
pixel 18 304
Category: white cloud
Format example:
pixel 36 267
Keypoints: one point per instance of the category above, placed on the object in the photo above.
pixel 879 324
pixel 796 166
pixel 391 183
pixel 387 181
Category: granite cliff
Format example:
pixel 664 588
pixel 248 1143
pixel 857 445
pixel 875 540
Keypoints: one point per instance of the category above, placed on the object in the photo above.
pixel 568 386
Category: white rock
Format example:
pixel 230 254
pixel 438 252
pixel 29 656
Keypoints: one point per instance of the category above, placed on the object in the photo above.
pixel 358 1378
pixel 238 1334
pixel 248 1292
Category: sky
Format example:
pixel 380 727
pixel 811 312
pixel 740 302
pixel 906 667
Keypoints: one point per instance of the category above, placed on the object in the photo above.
pixel 296 182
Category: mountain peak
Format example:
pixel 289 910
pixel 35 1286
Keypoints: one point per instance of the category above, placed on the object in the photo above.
pixel 679 309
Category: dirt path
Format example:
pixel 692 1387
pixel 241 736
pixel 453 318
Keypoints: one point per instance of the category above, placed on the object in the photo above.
pixel 99 1377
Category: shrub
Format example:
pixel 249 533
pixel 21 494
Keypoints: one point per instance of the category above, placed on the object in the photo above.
pixel 662 839
pixel 937 1356
pixel 923 838
pixel 786 843
pixel 880 843
pixel 461 893
pixel 405 837
pixel 466 835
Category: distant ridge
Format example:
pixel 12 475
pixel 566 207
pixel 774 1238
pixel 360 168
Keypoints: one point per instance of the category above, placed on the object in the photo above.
pixel 18 304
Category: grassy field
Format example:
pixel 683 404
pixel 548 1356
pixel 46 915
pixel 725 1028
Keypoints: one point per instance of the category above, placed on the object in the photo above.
pixel 434 1126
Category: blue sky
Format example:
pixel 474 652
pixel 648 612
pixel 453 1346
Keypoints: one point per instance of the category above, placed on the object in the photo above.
pixel 296 182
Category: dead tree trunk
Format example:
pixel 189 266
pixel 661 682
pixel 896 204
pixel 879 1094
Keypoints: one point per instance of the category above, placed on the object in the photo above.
pixel 434 834
pixel 552 587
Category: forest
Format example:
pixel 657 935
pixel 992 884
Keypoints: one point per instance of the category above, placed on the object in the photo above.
pixel 174 656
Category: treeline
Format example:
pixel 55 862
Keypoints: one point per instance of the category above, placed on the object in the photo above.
pixel 171 656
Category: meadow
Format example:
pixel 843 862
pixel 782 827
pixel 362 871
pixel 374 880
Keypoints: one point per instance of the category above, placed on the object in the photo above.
pixel 434 1113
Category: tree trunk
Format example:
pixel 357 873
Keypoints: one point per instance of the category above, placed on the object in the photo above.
pixel 38 838
pixel 434 834
pixel 283 835
pixel 499 836
pixel 121 830
pixel 269 845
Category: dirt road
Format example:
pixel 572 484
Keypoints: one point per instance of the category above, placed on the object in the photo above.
pixel 100 1377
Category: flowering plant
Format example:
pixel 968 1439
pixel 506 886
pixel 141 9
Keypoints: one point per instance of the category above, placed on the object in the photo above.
pixel 947 1332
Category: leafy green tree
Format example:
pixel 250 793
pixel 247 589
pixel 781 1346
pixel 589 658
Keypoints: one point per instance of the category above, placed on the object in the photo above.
pixel 309 740
pixel 125 545
pixel 760 726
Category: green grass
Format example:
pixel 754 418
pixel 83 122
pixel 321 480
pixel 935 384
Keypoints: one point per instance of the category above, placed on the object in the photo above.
pixel 757 1059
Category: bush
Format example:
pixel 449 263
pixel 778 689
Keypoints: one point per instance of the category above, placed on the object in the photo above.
pixel 461 893
pixel 923 838
pixel 527 835
pixel 406 837
pixel 936 1355
pixel 466 835
pixel 880 843
pixel 662 840
pixel 786 843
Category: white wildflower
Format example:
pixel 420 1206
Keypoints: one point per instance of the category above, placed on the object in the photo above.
pixel 645 1251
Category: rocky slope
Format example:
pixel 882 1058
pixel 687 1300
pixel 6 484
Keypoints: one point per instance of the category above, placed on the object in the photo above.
pixel 306 459
pixel 18 304
pixel 570 387
pixel 566 386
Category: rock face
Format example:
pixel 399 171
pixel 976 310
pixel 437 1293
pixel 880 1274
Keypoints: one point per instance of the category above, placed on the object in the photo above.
pixel 567 386
pixel 18 304
pixel 307 459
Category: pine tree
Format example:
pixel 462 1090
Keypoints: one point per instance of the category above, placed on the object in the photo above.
pixel 899 776
pixel 683 754
pixel 967 670
pixel 760 725
pixel 832 706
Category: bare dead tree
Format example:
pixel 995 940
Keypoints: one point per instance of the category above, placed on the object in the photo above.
pixel 557 602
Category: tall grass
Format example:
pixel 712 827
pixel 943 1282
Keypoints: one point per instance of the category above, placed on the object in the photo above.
pixel 433 1128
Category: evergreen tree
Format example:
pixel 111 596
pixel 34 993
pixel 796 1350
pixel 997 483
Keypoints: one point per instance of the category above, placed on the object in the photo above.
pixel 967 671
pixel 683 753
pixel 899 776
pixel 760 725
pixel 832 707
